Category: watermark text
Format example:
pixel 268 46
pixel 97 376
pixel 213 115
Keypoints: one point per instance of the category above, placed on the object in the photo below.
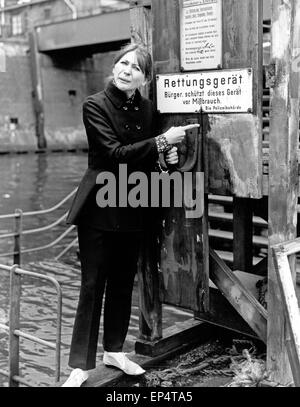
pixel 157 190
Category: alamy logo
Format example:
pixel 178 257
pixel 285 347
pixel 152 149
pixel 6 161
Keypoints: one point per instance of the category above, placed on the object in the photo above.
pixel 152 191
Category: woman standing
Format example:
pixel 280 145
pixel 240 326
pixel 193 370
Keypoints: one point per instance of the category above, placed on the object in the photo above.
pixel 120 130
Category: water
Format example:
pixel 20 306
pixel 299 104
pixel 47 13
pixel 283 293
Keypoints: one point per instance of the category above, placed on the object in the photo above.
pixel 35 182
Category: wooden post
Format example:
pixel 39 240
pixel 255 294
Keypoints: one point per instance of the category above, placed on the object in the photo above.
pixel 148 274
pixel 141 22
pixel 242 40
pixel 291 308
pixel 150 322
pixel 14 324
pixel 242 234
pixel 283 171
pixel 185 263
pixel 141 29
pixel 18 236
pixel 233 165
pixel 37 91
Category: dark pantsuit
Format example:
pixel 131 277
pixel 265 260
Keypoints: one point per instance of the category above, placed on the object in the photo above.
pixel 108 263
pixel 119 130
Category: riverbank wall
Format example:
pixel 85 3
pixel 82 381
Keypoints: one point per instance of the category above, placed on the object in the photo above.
pixel 65 82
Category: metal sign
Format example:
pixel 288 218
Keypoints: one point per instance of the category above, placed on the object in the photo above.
pixel 201 34
pixel 213 91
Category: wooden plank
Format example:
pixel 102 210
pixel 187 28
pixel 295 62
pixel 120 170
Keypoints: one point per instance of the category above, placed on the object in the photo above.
pixel 227 218
pixel 259 241
pixel 140 24
pixel 242 234
pixel 228 257
pixel 166 50
pixel 221 313
pixel 294 361
pixel 291 309
pixel 238 296
pixel 104 376
pixel 166 36
pixel 234 161
pixel 283 172
pixel 266 185
pixel 204 279
pixel 248 280
pixel 141 21
pixel 221 199
pixel 288 248
pixel 183 261
pixel 189 331
pixel 150 321
pixel 184 257
pixel 233 164
pixel 242 42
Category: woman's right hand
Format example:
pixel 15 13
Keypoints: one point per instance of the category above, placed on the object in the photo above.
pixel 176 134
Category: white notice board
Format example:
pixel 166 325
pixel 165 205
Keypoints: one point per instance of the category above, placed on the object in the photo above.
pixel 201 34
pixel 226 91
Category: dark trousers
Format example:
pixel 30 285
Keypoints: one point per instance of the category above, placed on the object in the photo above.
pixel 108 263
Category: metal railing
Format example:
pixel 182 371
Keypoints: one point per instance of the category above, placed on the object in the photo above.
pixel 16 272
pixel 15 332
pixel 18 233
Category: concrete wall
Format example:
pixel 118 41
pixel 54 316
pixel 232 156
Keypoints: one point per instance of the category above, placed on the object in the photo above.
pixel 98 69
pixel 36 13
pixel 16 100
pixel 61 77
pixel 63 112
pixel 59 73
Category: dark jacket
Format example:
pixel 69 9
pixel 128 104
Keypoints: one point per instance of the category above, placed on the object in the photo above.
pixel 118 132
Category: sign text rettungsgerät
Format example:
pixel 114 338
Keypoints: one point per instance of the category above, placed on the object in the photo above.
pixel 223 91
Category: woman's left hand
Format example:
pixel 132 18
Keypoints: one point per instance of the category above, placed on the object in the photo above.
pixel 171 156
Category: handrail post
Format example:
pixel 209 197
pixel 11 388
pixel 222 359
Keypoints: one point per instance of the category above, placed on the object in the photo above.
pixel 18 236
pixel 58 338
pixel 14 324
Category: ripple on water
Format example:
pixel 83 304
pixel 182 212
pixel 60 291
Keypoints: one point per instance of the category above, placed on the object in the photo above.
pixel 33 182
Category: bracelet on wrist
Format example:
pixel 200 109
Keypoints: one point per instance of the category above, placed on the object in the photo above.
pixel 162 143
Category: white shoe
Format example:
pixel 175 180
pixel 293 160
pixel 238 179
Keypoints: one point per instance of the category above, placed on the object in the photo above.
pixel 121 361
pixel 76 378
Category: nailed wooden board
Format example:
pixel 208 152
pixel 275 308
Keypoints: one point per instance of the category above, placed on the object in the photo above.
pixel 283 171
pixel 234 142
pixel 238 295
pixel 184 258
pixel 233 164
